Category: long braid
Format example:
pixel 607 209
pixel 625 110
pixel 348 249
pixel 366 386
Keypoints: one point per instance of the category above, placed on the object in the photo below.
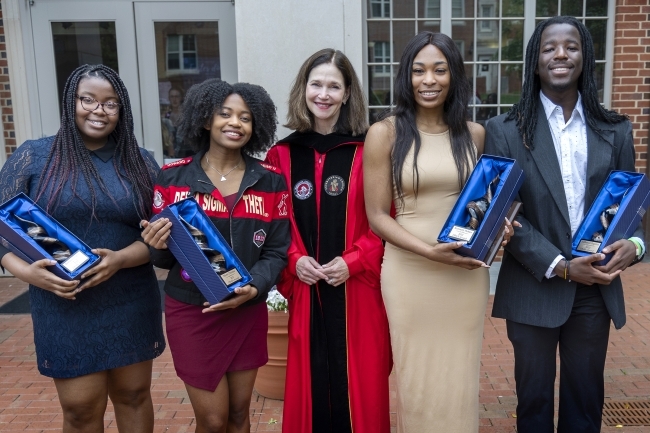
pixel 525 111
pixel 69 157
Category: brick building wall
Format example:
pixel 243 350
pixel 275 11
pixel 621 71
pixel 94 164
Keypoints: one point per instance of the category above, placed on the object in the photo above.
pixel 631 86
pixel 5 94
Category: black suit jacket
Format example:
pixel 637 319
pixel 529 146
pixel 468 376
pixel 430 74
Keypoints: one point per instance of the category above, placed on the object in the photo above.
pixel 523 293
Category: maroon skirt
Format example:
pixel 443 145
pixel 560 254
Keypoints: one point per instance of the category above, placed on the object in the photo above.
pixel 205 346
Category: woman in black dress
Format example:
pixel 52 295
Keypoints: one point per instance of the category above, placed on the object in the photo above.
pixel 97 338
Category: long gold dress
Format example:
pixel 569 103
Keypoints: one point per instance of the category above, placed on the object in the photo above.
pixel 435 311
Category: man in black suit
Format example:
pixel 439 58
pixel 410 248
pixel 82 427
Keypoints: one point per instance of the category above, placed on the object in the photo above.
pixel 567 144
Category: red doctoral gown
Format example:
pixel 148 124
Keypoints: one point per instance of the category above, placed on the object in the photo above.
pixel 368 350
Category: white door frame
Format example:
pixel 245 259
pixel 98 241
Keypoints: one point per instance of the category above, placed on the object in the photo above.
pixel 44 13
pixel 146 14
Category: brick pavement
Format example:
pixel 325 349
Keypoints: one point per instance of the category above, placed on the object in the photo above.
pixel 28 401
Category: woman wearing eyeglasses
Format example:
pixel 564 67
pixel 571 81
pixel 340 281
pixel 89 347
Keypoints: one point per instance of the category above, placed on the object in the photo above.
pixel 96 338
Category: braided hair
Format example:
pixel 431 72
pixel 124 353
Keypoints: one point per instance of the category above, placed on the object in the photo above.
pixel 525 111
pixel 204 99
pixel 454 110
pixel 69 157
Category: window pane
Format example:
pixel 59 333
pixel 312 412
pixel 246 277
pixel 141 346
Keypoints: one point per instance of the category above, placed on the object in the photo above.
pixel 378 31
pixel 172 43
pixel 79 43
pixel 188 43
pixel 186 53
pixel 462 8
pixel 173 61
pixel 600 81
pixel 403 31
pixel 379 80
pixel 598 31
pixel 597 8
pixel 572 8
pixel 189 61
pixel 404 9
pixel 546 8
pixel 462 32
pixel 429 26
pixel 511 80
pixel 487 41
pixel 512 40
pixel 487 9
pixel 429 8
pixel 513 8
pixel 378 8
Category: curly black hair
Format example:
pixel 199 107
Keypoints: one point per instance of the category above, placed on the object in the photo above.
pixel 204 99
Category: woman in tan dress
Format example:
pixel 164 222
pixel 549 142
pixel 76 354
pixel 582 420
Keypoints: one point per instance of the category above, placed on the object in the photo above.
pixel 435 298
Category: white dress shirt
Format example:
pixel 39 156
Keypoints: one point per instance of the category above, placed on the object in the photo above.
pixel 570 141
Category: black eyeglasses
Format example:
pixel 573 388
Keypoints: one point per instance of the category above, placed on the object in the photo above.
pixel 91 104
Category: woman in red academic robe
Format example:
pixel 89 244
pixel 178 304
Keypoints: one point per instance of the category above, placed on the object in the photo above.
pixel 339 348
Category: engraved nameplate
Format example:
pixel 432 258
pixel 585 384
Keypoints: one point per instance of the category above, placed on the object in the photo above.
pixel 231 277
pixel 587 246
pixel 75 261
pixel 461 233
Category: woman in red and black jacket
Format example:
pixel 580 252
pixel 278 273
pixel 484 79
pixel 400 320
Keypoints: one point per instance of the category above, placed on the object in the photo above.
pixel 217 354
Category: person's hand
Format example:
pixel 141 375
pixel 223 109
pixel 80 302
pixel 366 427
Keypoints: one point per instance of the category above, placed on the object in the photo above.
pixel 309 271
pixel 242 294
pixel 156 234
pixel 582 270
pixel 624 255
pixel 337 271
pixel 444 253
pixel 110 263
pixel 509 231
pixel 37 275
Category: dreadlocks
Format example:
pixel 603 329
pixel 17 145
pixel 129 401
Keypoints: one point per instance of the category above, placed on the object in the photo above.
pixel 525 112
pixel 204 99
pixel 69 156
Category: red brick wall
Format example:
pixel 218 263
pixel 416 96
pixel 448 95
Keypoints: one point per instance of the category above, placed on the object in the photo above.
pixel 631 86
pixel 5 94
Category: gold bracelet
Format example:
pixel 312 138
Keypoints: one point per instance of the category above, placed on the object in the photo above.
pixel 566 267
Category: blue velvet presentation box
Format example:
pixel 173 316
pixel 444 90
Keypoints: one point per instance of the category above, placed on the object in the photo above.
pixel 14 237
pixel 631 191
pixel 214 287
pixel 480 243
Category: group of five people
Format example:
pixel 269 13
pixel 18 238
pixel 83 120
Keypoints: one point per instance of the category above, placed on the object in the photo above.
pixel 334 193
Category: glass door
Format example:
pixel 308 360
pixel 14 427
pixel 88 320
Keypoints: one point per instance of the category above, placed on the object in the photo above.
pixel 179 44
pixel 68 34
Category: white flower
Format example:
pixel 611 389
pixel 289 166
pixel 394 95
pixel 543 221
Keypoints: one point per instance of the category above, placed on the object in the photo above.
pixel 276 302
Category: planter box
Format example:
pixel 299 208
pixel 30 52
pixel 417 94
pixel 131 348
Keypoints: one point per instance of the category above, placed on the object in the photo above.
pixel 272 377
pixel 214 287
pixel 14 237
pixel 631 191
pixel 483 243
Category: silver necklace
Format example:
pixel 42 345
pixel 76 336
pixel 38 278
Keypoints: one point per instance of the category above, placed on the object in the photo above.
pixel 223 176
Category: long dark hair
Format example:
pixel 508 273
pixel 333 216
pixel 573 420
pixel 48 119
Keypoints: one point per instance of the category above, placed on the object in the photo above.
pixel 69 157
pixel 525 111
pixel 455 110
pixel 352 118
pixel 204 99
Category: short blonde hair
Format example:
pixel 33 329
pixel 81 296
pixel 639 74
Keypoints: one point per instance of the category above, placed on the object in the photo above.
pixel 352 118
